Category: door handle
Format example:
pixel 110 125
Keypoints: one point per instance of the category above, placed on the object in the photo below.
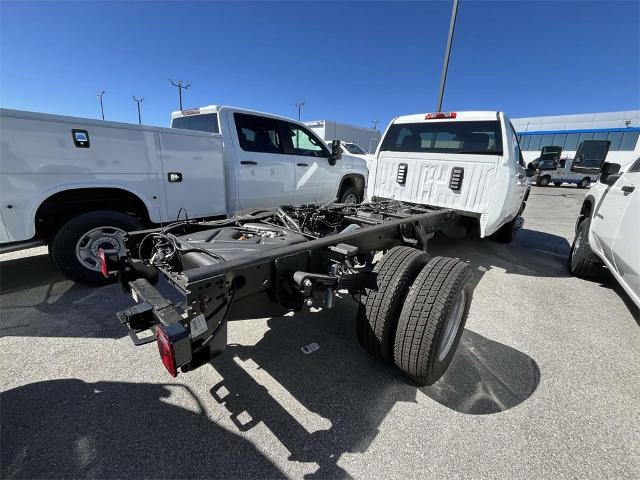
pixel 302 164
pixel 174 177
pixel 628 188
pixel 248 162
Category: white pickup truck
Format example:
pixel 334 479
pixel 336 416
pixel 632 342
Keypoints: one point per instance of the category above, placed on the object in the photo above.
pixel 78 184
pixel 608 228
pixel 466 161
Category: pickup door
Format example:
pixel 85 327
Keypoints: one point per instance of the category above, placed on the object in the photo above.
pixel 616 228
pixel 266 174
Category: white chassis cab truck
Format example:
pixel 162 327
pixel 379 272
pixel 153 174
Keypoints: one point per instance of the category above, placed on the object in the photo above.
pixel 79 184
pixel 469 162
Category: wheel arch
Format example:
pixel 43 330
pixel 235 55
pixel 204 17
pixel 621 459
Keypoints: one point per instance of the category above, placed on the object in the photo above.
pixel 60 206
pixel 586 210
pixel 352 180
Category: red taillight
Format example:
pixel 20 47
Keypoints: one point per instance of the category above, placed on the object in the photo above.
pixel 165 347
pixel 104 269
pixel 440 115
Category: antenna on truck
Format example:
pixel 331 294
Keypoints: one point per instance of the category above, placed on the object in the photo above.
pixel 181 87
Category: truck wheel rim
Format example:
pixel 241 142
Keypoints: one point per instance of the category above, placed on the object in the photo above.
pixel 106 238
pixel 452 325
pixel 576 246
pixel 351 198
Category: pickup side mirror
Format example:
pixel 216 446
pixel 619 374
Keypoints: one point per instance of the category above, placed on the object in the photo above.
pixel 530 171
pixel 336 151
pixel 609 173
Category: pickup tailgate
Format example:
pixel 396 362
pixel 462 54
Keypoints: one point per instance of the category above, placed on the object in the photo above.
pixel 428 178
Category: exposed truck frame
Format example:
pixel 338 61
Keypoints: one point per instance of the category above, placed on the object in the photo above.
pixel 412 308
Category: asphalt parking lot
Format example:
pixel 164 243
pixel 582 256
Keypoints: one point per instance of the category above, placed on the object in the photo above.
pixel 544 383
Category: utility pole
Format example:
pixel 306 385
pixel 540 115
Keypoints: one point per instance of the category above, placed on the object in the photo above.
pixel 447 53
pixel 99 97
pixel 138 101
pixel 375 124
pixel 181 87
pixel 299 107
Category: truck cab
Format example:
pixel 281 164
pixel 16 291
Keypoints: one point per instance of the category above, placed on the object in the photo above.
pixel 467 161
pixel 277 161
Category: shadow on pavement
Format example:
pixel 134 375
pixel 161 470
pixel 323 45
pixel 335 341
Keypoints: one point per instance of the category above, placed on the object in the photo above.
pixel 38 301
pixel 72 429
pixel 532 253
pixel 351 393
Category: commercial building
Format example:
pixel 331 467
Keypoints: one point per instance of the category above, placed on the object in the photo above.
pixel 622 129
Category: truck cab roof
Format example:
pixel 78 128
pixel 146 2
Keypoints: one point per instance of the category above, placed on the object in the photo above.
pixel 448 116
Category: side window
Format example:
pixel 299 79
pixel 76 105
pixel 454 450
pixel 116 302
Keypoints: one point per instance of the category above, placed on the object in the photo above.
pixel 302 142
pixel 257 134
pixel 635 167
pixel 562 163
pixel 514 136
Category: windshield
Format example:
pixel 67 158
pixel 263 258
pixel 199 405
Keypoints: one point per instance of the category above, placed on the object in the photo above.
pixel 354 149
pixel 481 137
pixel 207 122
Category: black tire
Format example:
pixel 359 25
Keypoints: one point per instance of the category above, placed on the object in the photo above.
pixel 423 347
pixel 379 309
pixel 584 183
pixel 62 249
pixel 348 194
pixel 543 181
pixel 557 184
pixel 507 232
pixel 580 261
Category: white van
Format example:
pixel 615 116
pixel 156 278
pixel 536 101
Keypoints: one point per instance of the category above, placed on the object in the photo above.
pixel 467 161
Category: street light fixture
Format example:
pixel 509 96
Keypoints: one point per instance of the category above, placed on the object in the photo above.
pixel 138 101
pixel 180 85
pixel 447 54
pixel 99 97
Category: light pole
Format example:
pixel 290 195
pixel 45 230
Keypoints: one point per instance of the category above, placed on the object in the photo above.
pixel 99 97
pixel 299 106
pixel 181 87
pixel 375 124
pixel 447 53
pixel 138 101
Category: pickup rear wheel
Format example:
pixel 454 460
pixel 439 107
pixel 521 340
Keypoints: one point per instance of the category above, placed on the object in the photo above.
pixel 74 249
pixel 349 195
pixel 378 313
pixel 433 318
pixel 579 261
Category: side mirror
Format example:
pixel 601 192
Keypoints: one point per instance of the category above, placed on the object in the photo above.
pixel 610 168
pixel 336 151
pixel 609 173
pixel 530 171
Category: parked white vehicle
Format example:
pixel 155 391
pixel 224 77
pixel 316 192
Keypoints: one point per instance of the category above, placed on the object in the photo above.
pixel 355 150
pixel 554 168
pixel 78 184
pixel 608 228
pixel 467 161
pixel 328 130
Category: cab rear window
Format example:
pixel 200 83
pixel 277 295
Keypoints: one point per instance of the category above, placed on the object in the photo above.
pixel 206 122
pixel 481 137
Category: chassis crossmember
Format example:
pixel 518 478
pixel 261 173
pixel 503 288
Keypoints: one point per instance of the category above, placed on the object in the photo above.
pixel 256 264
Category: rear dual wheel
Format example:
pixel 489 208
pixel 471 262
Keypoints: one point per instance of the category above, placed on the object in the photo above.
pixel 417 312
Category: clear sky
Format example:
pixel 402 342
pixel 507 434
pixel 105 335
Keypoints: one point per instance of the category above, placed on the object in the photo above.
pixel 350 61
